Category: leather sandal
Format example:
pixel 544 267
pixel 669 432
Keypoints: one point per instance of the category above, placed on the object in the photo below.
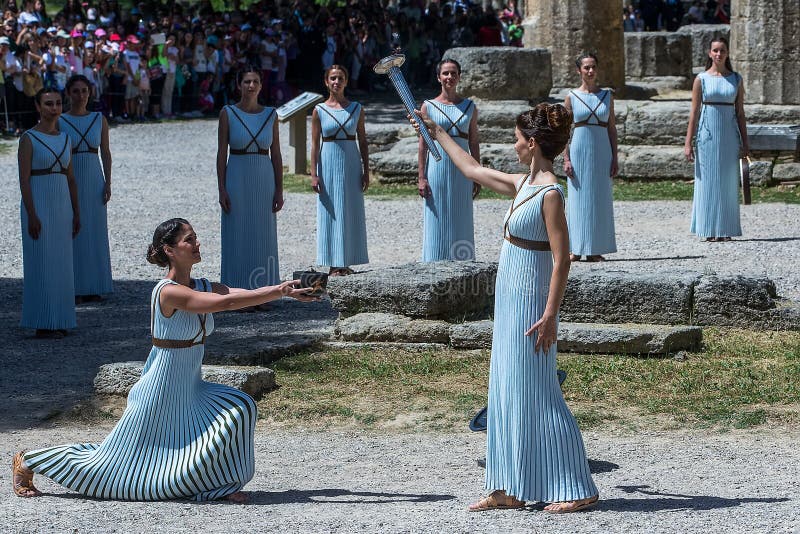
pixel 491 503
pixel 572 506
pixel 22 478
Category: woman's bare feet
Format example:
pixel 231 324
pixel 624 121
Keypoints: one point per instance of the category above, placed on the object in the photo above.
pixel 239 497
pixel 571 506
pixel 596 258
pixel 22 478
pixel 574 258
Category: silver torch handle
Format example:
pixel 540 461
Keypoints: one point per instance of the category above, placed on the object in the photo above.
pixel 391 66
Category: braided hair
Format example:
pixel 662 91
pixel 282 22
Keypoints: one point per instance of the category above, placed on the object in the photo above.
pixel 165 235
pixel 549 125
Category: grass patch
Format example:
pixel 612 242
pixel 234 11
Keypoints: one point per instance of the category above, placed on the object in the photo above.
pixel 623 190
pixel 742 379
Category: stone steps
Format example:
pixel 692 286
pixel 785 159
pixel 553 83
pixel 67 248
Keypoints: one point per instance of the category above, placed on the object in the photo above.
pixel 383 329
pixel 119 378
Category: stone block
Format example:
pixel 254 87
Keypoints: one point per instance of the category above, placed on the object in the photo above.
pixel 119 378
pixel 701 36
pixel 628 338
pixel 655 123
pixel 443 289
pixel 760 172
pixel 623 297
pixel 786 172
pixel 503 72
pixel 734 301
pixel 392 328
pixel 472 335
pixel 588 338
pixel 647 162
pixel 569 27
pixel 649 54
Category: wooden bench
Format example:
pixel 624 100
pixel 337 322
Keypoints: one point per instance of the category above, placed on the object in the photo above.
pixel 775 138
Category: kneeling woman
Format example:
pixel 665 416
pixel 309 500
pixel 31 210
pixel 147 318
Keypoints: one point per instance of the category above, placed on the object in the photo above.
pixel 534 449
pixel 180 437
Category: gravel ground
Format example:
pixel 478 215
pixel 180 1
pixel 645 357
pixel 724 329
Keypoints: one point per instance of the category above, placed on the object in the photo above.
pixel 398 482
pixel 366 482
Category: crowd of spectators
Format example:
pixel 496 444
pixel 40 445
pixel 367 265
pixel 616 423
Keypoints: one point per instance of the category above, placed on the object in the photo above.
pixel 161 59
pixel 669 15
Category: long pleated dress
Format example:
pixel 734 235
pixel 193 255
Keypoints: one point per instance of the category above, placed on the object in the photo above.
pixel 715 209
pixel 48 289
pixel 179 437
pixel 448 231
pixel 590 203
pixel 341 223
pixel 90 257
pixel 534 449
pixel 249 235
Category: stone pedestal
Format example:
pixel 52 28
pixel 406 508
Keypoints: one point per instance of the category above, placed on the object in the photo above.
pixel 701 35
pixel 651 54
pixel 569 27
pixel 765 49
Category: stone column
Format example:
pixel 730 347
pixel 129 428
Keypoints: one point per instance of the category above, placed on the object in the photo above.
pixel 569 27
pixel 765 49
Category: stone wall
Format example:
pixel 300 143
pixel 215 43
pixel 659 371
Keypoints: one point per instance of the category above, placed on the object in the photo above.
pixel 765 49
pixel 503 72
pixel 569 27
pixel 651 54
pixel 701 36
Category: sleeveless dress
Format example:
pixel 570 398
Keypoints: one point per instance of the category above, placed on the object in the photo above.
pixel 534 449
pixel 249 235
pixel 341 223
pixel 715 209
pixel 179 437
pixel 590 204
pixel 90 257
pixel 448 231
pixel 48 289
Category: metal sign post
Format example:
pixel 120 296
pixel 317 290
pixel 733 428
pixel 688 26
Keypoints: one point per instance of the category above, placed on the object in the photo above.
pixel 295 112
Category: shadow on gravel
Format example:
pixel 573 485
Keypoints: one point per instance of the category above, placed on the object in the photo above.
pixel 675 501
pixel 339 496
pixel 601 466
pixel 660 258
pixel 771 239
pixel 41 379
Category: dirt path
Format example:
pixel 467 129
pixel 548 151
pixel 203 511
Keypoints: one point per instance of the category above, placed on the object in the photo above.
pixel 347 481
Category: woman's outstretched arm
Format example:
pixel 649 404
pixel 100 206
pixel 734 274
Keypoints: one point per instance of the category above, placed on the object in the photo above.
pixel 501 182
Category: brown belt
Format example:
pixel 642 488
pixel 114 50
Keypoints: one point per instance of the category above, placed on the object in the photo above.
pixel 348 138
pixel 241 152
pixel 87 151
pixel 44 172
pixel 177 343
pixel 528 244
pixel 587 123
pixel 706 103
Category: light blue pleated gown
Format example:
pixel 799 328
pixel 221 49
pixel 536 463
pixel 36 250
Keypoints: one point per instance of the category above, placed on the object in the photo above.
pixel 590 203
pixel 448 231
pixel 249 234
pixel 534 449
pixel 48 292
pixel 179 437
pixel 341 224
pixel 90 258
pixel 715 209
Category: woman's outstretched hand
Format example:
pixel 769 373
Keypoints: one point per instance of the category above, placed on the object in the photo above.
pixel 545 329
pixel 432 126
pixel 290 288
